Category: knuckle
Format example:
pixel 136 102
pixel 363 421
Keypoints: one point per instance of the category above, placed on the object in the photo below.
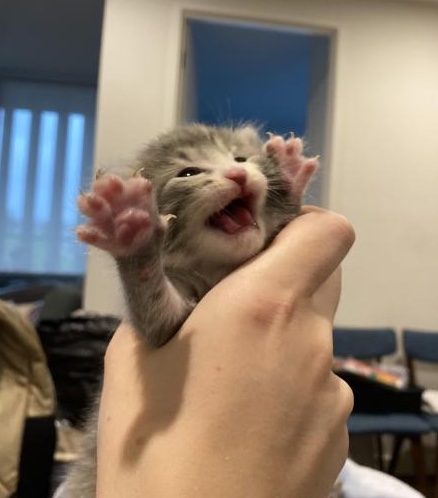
pixel 339 405
pixel 342 229
pixel 345 397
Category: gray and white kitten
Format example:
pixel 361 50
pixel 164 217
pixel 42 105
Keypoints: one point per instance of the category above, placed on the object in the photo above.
pixel 203 201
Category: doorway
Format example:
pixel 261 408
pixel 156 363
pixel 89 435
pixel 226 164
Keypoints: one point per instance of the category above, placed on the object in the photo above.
pixel 276 76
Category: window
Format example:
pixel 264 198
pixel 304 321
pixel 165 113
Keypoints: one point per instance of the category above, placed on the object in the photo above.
pixel 46 150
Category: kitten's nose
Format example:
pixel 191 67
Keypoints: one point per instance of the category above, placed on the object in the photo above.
pixel 238 175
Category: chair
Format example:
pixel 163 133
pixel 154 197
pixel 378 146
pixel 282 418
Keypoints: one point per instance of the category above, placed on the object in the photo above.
pixel 422 346
pixel 373 344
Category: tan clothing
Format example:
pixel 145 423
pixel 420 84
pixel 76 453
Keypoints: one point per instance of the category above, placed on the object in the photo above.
pixel 26 389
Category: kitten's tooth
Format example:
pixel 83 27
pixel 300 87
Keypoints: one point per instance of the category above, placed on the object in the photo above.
pixel 270 134
pixel 292 134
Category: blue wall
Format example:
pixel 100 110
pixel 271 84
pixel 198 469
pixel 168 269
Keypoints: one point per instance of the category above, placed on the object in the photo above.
pixel 245 72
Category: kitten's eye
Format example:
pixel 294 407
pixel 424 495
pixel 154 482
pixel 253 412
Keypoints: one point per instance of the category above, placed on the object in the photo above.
pixel 240 159
pixel 192 171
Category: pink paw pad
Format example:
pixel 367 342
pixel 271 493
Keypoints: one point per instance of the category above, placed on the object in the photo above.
pixel 297 170
pixel 122 215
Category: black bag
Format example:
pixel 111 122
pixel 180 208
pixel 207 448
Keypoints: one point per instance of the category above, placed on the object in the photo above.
pixel 371 396
pixel 75 347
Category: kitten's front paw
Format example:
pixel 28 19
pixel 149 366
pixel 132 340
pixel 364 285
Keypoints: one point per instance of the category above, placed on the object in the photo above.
pixel 296 169
pixel 123 217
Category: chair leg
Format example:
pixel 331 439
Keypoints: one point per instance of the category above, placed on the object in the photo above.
pixel 419 462
pixel 398 443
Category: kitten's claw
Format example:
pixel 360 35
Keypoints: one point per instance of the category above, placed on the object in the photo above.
pixel 168 217
pixel 90 235
pixel 138 173
pixel 99 173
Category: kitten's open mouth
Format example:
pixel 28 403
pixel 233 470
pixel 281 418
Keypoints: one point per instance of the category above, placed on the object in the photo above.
pixel 235 216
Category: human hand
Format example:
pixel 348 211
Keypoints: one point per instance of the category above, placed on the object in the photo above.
pixel 242 402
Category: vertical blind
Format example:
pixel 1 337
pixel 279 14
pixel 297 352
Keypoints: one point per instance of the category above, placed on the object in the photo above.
pixel 46 150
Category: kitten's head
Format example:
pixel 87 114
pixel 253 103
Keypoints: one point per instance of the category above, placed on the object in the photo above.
pixel 210 180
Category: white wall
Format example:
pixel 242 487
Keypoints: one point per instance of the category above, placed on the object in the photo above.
pixel 384 172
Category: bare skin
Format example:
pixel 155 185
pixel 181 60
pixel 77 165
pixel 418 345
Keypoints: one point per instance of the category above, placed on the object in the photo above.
pixel 242 401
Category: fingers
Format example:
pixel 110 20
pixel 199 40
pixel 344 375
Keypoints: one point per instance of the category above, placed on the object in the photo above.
pixel 304 254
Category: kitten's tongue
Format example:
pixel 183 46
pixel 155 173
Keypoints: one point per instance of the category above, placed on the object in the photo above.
pixel 233 218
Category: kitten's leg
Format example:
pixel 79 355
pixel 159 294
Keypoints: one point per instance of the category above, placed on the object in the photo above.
pixel 124 221
pixel 296 169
